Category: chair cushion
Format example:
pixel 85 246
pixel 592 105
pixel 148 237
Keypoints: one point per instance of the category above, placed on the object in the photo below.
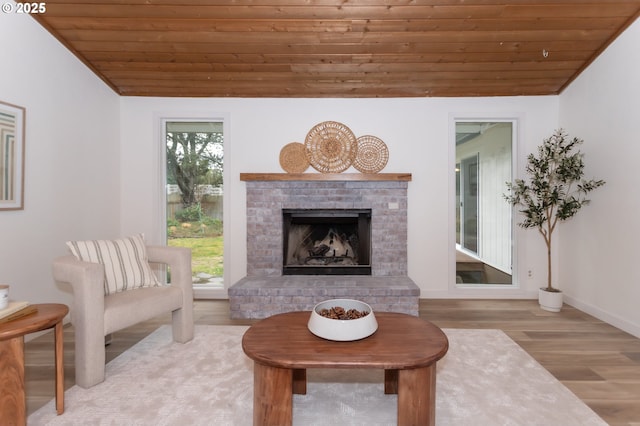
pixel 130 307
pixel 125 262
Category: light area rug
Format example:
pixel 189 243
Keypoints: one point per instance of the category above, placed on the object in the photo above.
pixel 485 379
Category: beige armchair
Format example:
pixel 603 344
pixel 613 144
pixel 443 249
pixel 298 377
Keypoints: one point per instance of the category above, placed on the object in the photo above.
pixel 95 315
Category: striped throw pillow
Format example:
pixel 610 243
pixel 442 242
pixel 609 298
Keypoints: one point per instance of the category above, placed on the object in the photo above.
pixel 125 262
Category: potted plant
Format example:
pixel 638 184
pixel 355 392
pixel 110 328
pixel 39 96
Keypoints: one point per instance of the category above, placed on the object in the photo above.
pixel 554 192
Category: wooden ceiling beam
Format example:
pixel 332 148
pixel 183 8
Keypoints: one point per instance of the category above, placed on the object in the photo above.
pixel 331 37
pixel 342 11
pixel 334 25
pixel 336 82
pixel 380 77
pixel 336 48
pixel 329 90
pixel 389 67
pixel 232 59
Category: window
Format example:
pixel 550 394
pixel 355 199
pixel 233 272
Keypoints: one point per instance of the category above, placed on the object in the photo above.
pixel 194 196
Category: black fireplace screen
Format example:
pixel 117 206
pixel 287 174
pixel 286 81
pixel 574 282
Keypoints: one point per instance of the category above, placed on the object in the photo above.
pixel 326 242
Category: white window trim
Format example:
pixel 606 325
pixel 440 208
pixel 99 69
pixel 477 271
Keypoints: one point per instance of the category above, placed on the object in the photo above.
pixel 483 290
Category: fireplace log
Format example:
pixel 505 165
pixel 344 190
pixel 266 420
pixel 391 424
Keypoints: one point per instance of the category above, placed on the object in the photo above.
pixel 328 260
pixel 320 250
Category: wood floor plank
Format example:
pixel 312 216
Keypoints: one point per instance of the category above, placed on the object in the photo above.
pixel 598 362
pixel 566 373
pixel 618 373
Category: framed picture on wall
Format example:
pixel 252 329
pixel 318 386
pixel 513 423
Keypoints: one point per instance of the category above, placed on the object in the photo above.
pixel 12 129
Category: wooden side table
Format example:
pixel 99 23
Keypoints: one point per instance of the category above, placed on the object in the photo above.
pixel 13 406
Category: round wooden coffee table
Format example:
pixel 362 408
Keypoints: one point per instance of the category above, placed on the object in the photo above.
pixel 405 346
pixel 12 393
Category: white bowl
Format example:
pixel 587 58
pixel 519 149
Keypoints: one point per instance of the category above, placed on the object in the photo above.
pixel 342 330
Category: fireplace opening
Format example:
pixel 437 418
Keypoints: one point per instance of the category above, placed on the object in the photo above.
pixel 326 242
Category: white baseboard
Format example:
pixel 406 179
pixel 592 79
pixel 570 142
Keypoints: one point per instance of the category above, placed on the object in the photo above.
pixel 607 317
pixel 484 293
pixel 210 293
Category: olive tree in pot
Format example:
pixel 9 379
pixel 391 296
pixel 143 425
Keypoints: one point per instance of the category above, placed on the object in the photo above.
pixel 554 192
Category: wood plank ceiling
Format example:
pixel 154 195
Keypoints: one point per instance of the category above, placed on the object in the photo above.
pixel 337 48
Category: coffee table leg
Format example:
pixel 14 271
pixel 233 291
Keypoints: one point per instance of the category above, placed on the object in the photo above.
pixel 417 396
pixel 272 396
pixel 300 381
pixel 390 382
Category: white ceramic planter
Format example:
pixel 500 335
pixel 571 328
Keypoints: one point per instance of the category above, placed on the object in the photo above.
pixel 550 300
pixel 342 330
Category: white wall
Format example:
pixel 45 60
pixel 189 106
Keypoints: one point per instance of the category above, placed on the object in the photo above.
pixel 599 247
pixel 72 157
pixel 417 132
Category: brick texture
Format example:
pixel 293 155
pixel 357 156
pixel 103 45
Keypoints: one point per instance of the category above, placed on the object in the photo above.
pixel 260 297
pixel 265 201
pixel 265 291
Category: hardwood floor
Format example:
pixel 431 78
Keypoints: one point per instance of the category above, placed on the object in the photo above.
pixel 598 362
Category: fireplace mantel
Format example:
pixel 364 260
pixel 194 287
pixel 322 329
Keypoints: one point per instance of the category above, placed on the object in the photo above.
pixel 334 177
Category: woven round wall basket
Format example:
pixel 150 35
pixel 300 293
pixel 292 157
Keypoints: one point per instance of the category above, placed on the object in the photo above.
pixel 331 147
pixel 373 154
pixel 293 158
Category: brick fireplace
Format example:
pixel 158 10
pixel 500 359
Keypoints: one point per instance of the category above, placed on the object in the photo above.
pixel 266 291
